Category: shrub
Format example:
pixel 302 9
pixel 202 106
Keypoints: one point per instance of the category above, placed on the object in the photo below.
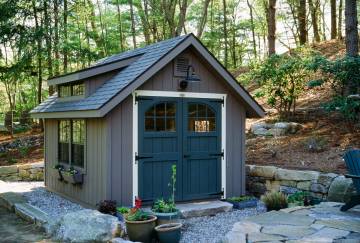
pixel 162 206
pixel 24 151
pixel 316 144
pixel 275 200
pixel 107 207
pixel 348 107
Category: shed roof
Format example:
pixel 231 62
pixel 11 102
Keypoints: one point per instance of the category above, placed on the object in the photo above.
pixel 112 92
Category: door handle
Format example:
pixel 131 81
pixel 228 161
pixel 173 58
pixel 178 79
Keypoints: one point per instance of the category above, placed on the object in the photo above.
pixel 186 156
pixel 218 154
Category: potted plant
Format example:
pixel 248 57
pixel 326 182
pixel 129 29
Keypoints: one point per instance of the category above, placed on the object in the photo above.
pixel 166 211
pixel 243 202
pixel 73 176
pixel 60 169
pixel 140 225
pixel 169 233
pixel 121 213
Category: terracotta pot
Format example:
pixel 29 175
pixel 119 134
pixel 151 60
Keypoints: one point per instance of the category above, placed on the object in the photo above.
pixel 142 231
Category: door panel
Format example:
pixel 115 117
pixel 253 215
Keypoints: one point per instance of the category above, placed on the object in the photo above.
pixel 180 131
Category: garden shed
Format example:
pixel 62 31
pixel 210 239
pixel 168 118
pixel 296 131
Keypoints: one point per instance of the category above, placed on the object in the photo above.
pixel 123 122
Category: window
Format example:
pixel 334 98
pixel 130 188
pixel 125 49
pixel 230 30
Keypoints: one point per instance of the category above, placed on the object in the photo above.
pixel 201 118
pixel 66 90
pixel 161 117
pixel 72 142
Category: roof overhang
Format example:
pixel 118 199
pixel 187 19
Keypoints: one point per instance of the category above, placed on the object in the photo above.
pixel 253 109
pixel 93 71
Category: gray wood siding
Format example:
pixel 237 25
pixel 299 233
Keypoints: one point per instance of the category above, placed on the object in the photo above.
pixel 164 80
pixel 94 188
pixel 120 149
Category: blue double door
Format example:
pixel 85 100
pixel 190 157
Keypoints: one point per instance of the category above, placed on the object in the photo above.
pixel 185 132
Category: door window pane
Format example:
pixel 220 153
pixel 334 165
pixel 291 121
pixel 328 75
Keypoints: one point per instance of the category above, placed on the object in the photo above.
pixel 161 117
pixel 201 118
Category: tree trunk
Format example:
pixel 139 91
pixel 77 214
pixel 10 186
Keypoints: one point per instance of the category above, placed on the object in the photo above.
pixel 95 35
pixel 333 19
pixel 302 22
pixel 252 27
pixel 203 19
pixel 48 34
pixel 120 26
pixel 271 24
pixel 225 35
pixel 65 54
pixel 339 30
pixel 314 9
pixel 181 23
pixel 351 30
pixel 133 33
pixel 56 37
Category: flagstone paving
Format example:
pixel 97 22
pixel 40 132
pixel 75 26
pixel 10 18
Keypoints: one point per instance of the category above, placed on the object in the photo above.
pixel 321 223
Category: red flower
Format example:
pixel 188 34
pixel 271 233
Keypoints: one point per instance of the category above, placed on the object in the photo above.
pixel 137 202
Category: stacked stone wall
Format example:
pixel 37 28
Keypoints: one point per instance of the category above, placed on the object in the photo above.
pixel 25 172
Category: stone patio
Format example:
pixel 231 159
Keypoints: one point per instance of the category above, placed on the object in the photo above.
pixel 321 223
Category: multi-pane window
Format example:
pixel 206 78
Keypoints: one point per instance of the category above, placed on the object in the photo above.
pixel 201 118
pixel 72 142
pixel 161 117
pixel 76 89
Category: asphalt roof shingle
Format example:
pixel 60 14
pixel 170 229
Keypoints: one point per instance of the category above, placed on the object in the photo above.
pixel 149 56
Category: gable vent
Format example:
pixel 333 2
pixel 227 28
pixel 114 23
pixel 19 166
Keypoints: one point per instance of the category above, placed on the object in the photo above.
pixel 181 65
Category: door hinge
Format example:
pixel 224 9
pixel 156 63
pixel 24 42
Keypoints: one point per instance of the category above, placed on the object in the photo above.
pixel 221 193
pixel 218 154
pixel 221 101
pixel 137 157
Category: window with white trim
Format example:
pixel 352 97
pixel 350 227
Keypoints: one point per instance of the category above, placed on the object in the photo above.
pixel 71 143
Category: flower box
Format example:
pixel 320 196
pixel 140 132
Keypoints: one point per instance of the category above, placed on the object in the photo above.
pixel 244 204
pixel 75 179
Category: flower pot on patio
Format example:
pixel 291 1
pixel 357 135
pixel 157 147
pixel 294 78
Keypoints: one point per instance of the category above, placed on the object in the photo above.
pixel 169 233
pixel 141 230
pixel 167 218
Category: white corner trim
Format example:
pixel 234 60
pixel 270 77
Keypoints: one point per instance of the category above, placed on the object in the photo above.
pixel 135 166
pixel 155 93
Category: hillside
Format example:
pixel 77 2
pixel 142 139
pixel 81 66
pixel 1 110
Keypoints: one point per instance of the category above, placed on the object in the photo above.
pixel 332 133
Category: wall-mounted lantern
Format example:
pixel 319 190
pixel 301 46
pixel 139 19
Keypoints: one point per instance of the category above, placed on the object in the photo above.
pixel 191 76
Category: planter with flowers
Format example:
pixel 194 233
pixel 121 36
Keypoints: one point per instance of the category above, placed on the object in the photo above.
pixel 73 176
pixel 140 224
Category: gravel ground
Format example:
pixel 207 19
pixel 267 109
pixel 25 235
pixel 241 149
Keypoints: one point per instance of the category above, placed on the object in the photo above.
pixel 213 229
pixel 51 203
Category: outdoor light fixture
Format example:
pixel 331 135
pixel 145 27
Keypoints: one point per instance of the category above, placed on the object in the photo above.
pixel 190 77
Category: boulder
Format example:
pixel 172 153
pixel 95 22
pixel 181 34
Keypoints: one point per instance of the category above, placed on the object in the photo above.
pixel 263 171
pixel 260 125
pixel 295 175
pixel 303 185
pixel 326 179
pixel 261 132
pixel 276 132
pixel 339 189
pixel 315 187
pixel 6 170
pixel 283 125
pixel 87 226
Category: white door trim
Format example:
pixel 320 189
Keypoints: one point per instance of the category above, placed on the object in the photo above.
pixel 154 93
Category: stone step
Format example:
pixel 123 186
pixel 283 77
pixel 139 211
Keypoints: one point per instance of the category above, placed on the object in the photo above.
pixel 31 214
pixel 9 199
pixel 205 208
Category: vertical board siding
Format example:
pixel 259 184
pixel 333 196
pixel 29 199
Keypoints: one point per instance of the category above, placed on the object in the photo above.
pixel 210 82
pixel 94 187
pixel 93 83
pixel 120 139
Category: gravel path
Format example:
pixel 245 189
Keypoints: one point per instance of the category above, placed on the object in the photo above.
pixel 213 229
pixel 36 194
pixel 51 203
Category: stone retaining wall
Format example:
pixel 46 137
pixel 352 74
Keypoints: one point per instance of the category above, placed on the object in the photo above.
pixel 25 172
pixel 325 186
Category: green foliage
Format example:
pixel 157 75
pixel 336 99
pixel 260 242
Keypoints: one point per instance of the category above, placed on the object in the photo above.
pixel 297 197
pixel 172 183
pixel 275 200
pixel 315 83
pixel 347 106
pixel 137 214
pixel 162 206
pixel 123 210
pixel 21 128
pixel 282 78
pixel 24 151
pixel 343 72
pixel 241 198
